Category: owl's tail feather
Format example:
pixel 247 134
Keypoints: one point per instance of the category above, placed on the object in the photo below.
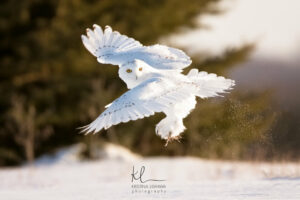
pixel 101 43
pixel 209 85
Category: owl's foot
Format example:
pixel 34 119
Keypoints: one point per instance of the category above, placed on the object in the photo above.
pixel 169 128
pixel 170 139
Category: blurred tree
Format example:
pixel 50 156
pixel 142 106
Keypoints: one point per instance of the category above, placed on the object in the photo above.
pixel 42 59
pixel 286 135
pixel 23 123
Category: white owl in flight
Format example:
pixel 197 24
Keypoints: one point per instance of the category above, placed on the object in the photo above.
pixel 153 75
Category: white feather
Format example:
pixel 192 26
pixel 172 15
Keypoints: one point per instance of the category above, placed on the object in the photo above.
pixel 111 47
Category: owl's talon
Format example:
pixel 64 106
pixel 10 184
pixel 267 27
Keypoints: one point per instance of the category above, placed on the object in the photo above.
pixel 167 142
pixel 177 138
pixel 170 139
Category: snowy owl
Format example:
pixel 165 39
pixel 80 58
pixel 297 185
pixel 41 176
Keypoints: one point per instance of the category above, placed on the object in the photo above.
pixel 155 81
pixel 110 47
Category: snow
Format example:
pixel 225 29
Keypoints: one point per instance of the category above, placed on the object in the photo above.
pixel 71 155
pixel 110 178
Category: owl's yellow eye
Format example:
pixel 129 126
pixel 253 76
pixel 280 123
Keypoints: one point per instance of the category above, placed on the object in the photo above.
pixel 140 69
pixel 128 70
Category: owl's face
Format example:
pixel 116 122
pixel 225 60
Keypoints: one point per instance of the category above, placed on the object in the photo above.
pixel 135 72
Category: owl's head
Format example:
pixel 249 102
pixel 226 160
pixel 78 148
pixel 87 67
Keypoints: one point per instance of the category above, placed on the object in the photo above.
pixel 135 72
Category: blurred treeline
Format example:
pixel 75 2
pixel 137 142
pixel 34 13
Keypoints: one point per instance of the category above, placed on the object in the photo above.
pixel 50 84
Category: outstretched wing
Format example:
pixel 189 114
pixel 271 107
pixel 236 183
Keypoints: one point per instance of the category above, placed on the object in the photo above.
pixel 164 57
pixel 151 96
pixel 209 85
pixel 110 47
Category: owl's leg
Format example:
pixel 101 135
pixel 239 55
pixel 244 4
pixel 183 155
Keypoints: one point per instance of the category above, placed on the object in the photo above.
pixel 172 126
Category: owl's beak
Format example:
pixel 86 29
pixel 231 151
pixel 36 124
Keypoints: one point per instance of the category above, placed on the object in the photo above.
pixel 136 78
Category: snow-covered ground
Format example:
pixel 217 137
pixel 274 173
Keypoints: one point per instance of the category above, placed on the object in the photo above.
pixel 63 176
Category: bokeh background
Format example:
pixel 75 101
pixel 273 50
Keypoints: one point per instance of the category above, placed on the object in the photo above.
pixel 50 84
